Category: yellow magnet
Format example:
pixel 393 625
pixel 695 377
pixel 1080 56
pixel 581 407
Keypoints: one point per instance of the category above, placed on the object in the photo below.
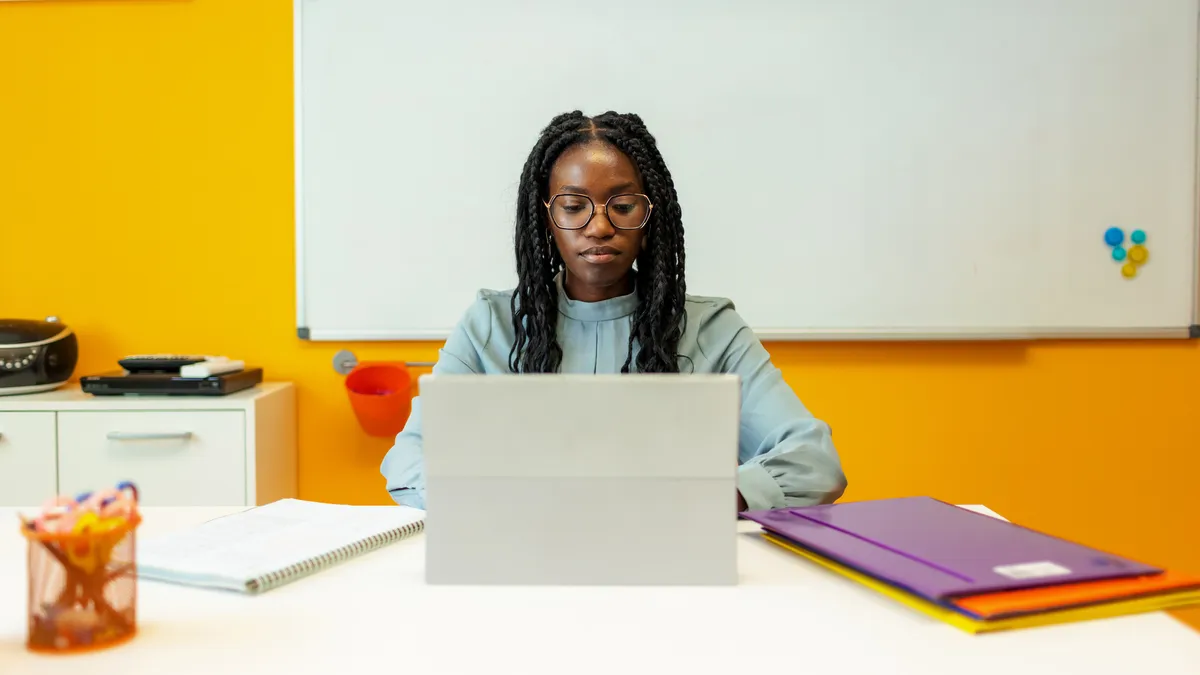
pixel 1138 254
pixel 1129 270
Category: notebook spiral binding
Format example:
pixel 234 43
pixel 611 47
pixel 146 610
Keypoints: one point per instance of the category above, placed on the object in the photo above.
pixel 325 560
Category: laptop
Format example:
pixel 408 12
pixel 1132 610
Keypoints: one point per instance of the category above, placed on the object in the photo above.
pixel 581 479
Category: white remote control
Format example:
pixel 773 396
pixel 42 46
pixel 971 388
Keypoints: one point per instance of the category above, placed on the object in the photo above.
pixel 210 368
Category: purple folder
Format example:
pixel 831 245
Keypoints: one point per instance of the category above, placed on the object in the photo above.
pixel 938 550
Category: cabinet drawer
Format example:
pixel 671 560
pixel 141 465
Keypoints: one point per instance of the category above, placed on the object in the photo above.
pixel 185 458
pixel 27 464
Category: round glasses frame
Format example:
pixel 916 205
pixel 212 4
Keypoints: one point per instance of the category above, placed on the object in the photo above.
pixel 550 213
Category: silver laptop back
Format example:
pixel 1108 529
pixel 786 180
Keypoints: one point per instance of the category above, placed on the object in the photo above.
pixel 581 479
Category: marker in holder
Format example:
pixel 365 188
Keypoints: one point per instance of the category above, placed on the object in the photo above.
pixel 82 572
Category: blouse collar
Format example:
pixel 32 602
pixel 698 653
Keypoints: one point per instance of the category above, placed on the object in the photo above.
pixel 604 310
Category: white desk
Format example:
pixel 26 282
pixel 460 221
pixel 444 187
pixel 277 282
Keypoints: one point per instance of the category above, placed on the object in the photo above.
pixel 375 615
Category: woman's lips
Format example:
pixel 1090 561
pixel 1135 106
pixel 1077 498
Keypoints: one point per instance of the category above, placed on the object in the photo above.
pixel 600 254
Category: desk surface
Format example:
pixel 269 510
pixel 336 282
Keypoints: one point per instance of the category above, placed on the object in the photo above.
pixel 376 613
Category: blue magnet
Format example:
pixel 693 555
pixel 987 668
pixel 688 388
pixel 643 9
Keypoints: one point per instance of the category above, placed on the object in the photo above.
pixel 1114 236
pixel 1138 237
pixel 1118 253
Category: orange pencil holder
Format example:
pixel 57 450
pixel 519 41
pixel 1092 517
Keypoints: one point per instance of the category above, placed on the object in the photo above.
pixel 82 587
pixel 381 396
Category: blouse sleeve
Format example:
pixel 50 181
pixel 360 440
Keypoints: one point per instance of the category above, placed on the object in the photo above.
pixel 786 455
pixel 404 464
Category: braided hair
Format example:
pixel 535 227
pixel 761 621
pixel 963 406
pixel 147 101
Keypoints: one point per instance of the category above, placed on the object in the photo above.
pixel 658 321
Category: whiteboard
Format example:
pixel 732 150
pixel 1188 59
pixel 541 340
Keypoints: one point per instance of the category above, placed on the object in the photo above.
pixel 859 169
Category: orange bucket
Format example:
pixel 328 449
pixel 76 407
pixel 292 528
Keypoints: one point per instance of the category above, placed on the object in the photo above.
pixel 381 396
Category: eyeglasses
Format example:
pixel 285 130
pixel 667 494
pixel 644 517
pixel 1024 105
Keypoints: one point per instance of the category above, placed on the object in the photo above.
pixel 624 211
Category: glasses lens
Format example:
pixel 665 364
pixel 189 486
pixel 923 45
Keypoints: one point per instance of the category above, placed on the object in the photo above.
pixel 571 212
pixel 628 212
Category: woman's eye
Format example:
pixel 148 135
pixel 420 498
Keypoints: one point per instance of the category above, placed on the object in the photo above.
pixel 623 209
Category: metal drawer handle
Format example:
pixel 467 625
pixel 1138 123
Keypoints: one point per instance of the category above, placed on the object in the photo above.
pixel 149 436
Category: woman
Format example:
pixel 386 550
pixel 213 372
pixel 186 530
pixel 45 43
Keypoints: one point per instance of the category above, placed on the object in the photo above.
pixel 596 197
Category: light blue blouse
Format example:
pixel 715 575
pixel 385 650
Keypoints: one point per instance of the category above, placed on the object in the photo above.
pixel 786 455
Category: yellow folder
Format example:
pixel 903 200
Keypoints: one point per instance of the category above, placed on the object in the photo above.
pixel 966 623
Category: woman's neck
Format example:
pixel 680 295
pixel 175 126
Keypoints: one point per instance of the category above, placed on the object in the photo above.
pixel 581 292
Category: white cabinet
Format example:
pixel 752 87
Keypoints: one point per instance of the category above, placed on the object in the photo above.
pixel 236 450
pixel 27 457
pixel 193 458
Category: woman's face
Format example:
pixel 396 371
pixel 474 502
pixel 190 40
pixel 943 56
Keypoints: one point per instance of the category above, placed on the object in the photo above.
pixel 598 256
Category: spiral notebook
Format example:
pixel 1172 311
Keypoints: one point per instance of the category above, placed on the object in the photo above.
pixel 265 547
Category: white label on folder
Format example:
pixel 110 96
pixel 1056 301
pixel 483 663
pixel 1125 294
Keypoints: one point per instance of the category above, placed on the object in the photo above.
pixel 1033 570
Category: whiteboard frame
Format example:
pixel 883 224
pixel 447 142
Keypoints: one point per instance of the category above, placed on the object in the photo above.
pixel 849 335
pixel 304 332
pixel 1194 329
pixel 298 162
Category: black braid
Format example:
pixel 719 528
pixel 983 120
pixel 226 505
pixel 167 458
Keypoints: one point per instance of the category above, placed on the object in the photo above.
pixel 658 322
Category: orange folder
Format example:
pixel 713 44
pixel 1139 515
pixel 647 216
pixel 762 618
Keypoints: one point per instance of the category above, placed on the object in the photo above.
pixel 1153 602
pixel 1045 598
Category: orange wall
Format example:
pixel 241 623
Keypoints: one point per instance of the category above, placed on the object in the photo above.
pixel 131 132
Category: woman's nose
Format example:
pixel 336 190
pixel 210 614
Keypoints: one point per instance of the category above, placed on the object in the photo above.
pixel 600 226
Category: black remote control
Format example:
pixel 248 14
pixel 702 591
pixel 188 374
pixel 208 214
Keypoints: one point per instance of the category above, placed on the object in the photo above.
pixel 144 363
